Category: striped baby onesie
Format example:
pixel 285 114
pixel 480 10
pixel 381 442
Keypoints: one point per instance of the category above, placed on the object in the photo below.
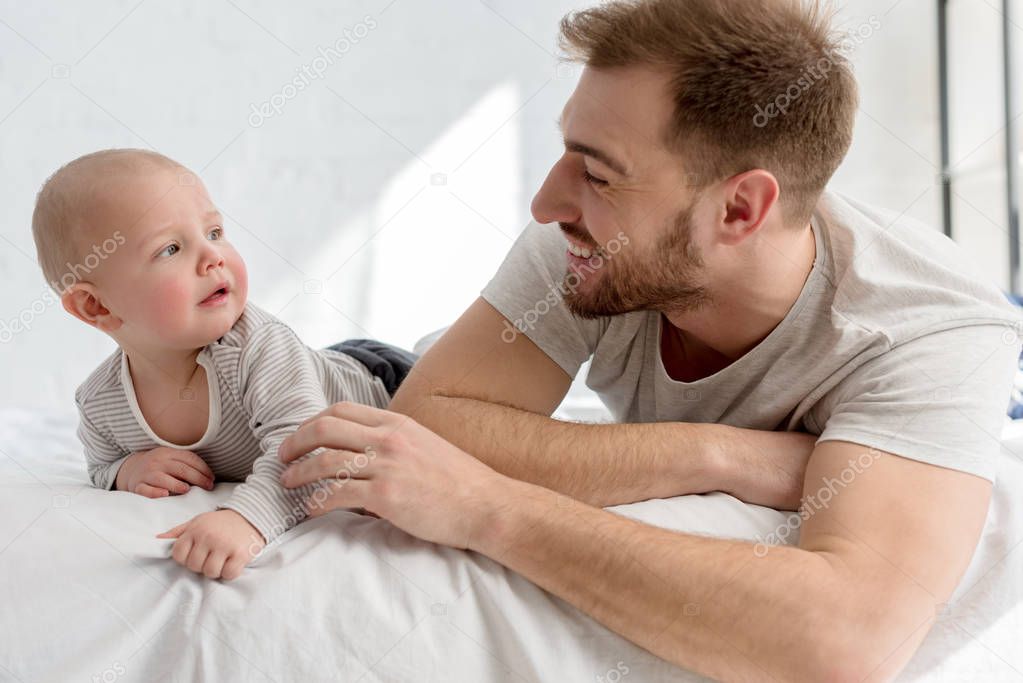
pixel 263 383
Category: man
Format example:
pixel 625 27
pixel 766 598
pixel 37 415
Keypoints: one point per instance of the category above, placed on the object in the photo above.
pixel 751 333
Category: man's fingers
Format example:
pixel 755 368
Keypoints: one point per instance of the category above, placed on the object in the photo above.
pixel 327 432
pixel 151 491
pixel 357 412
pixel 193 460
pixel 166 481
pixel 330 464
pixel 350 493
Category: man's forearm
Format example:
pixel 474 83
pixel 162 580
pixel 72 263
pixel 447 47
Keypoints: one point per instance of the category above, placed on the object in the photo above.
pixel 613 464
pixel 710 605
pixel 599 464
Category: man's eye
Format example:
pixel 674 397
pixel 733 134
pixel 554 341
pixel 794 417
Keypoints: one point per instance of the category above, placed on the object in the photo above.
pixel 169 250
pixel 216 234
pixel 592 179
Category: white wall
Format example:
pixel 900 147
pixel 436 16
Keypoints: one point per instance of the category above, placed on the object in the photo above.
pixel 386 193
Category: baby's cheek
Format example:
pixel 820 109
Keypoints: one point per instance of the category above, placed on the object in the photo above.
pixel 240 272
pixel 169 303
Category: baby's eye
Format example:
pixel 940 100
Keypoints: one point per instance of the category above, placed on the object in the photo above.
pixel 169 250
pixel 216 234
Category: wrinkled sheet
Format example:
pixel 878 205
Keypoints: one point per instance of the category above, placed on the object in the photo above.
pixel 87 593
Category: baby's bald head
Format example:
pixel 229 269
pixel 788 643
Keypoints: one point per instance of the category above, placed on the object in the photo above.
pixel 61 223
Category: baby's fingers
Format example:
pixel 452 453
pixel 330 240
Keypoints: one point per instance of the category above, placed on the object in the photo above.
pixel 151 491
pixel 197 557
pixel 173 533
pixel 214 564
pixel 194 461
pixel 234 566
pixel 188 474
pixel 166 481
pixel 182 546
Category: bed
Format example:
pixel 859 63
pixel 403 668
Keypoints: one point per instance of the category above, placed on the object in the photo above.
pixel 88 593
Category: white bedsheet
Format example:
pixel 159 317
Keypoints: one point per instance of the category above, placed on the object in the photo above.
pixel 89 594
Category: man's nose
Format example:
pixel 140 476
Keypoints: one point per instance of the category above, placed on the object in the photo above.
pixel 557 201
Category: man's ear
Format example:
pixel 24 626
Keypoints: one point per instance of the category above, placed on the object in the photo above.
pixel 749 197
pixel 82 301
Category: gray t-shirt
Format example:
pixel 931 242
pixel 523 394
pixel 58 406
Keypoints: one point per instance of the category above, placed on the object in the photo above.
pixel 893 343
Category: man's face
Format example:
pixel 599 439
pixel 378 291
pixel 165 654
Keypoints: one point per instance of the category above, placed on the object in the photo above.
pixel 623 200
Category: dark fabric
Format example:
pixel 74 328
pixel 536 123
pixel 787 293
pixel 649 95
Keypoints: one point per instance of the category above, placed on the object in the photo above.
pixel 387 362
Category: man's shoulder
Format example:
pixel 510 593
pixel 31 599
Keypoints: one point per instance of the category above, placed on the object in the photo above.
pixel 894 275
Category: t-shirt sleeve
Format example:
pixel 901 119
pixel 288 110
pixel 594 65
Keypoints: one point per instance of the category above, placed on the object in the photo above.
pixel 939 399
pixel 280 389
pixel 529 289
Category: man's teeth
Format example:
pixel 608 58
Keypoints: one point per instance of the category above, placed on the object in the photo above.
pixel 581 252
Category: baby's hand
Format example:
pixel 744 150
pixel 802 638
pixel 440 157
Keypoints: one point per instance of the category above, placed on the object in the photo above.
pixel 217 544
pixel 162 471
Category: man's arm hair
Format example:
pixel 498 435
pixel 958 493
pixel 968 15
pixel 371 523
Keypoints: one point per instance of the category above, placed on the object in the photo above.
pixel 852 602
pixel 493 398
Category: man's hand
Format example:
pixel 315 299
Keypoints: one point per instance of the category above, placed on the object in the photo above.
pixel 396 469
pixel 216 544
pixel 162 471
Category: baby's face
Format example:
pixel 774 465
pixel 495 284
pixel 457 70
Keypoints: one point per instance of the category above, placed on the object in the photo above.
pixel 175 282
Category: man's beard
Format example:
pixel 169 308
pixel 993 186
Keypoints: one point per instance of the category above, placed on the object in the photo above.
pixel 665 281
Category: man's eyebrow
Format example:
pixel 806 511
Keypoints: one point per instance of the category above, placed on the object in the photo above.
pixel 599 155
pixel 602 157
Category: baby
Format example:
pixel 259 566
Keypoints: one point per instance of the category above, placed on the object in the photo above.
pixel 204 385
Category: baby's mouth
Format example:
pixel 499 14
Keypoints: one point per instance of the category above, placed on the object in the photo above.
pixel 218 295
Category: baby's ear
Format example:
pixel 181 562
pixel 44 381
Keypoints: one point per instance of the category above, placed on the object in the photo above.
pixel 82 301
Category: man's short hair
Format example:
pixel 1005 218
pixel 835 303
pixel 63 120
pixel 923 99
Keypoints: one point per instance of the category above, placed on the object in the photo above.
pixel 755 84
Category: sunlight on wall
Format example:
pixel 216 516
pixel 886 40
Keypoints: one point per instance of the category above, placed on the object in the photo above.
pixel 415 261
pixel 435 255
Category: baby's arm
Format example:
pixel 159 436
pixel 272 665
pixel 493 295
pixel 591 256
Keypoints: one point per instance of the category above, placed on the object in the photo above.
pixel 103 457
pixel 154 473
pixel 280 388
pixel 162 471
